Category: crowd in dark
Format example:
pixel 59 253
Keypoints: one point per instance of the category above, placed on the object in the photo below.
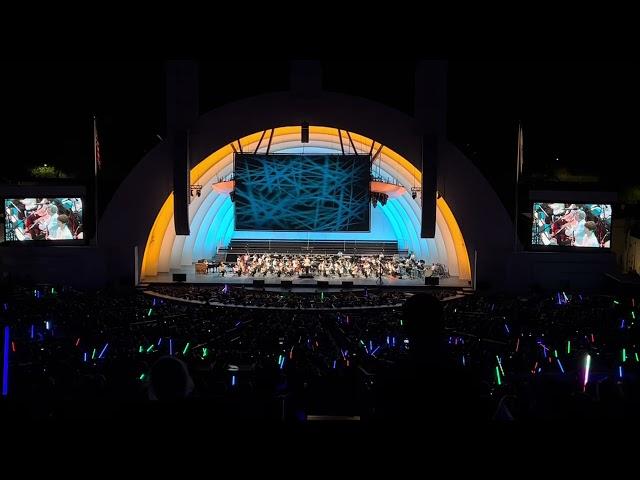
pixel 310 300
pixel 476 358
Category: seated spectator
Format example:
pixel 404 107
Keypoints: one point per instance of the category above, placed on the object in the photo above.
pixel 170 380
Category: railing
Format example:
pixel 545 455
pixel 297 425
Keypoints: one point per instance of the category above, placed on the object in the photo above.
pixel 327 247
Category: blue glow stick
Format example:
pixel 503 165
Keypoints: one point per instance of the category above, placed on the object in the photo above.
pixel 103 350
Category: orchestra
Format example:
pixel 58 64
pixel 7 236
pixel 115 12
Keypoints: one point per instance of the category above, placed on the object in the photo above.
pixel 329 266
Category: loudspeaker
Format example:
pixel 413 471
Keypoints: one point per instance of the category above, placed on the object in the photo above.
pixel 304 133
pixel 258 283
pixel 429 186
pixel 322 283
pixel 432 280
pixel 347 283
pixel 179 277
pixel 286 283
pixel 179 142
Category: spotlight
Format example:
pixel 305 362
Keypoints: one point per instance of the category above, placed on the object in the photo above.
pixel 414 195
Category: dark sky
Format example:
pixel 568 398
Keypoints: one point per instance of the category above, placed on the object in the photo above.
pixel 583 113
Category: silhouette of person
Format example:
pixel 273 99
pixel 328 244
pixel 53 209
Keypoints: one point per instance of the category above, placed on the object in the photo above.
pixel 425 386
pixel 170 380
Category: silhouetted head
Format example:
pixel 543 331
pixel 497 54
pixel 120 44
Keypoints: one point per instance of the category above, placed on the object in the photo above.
pixel 170 380
pixel 423 321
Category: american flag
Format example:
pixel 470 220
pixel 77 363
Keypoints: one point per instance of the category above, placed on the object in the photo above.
pixel 96 147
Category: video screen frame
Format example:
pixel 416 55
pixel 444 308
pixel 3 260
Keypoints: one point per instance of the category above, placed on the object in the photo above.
pixel 366 203
pixel 36 214
pixel 571 226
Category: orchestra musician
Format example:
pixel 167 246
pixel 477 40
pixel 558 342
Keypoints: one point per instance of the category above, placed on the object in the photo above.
pixel 562 228
pixel 589 239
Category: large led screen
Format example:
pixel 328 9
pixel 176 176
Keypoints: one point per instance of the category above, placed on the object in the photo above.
pixel 313 193
pixel 579 225
pixel 37 219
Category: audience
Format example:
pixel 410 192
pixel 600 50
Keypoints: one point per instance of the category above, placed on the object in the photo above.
pixel 379 355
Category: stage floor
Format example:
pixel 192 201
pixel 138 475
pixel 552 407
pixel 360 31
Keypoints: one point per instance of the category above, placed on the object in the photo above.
pixel 275 281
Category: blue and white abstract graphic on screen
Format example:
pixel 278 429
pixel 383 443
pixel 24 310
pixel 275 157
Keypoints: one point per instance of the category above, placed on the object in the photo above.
pixel 314 193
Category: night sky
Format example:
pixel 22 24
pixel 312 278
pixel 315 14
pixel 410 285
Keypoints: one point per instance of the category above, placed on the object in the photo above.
pixel 581 116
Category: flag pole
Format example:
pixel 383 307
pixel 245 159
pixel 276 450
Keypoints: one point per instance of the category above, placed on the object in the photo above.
pixel 519 162
pixel 95 178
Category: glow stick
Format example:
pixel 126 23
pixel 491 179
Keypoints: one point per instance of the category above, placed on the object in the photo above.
pixel 586 371
pixel 500 365
pixel 5 363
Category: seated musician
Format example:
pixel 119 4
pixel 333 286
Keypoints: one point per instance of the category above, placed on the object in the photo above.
pixel 562 229
pixel 63 232
pixel 589 239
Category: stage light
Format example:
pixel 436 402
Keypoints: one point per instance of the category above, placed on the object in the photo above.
pixel 414 195
pixel 195 188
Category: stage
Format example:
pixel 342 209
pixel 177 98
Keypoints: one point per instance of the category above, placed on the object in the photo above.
pixel 296 282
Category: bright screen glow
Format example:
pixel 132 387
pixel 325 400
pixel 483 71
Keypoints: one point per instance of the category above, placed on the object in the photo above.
pixel 54 219
pixel 312 193
pixel 580 225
